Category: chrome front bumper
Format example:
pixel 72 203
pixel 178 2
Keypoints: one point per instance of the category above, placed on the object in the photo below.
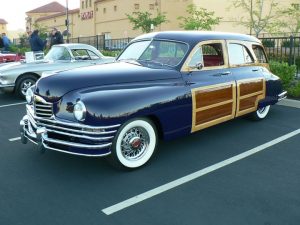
pixel 282 95
pixel 67 137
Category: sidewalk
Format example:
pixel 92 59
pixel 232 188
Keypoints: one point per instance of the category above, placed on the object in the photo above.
pixel 290 103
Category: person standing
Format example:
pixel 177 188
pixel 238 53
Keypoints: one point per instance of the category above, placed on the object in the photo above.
pixel 56 37
pixel 1 44
pixel 6 42
pixel 36 43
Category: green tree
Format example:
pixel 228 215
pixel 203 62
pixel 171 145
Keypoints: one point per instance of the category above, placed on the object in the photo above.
pixel 199 19
pixel 259 15
pixel 143 20
pixel 291 18
pixel 43 31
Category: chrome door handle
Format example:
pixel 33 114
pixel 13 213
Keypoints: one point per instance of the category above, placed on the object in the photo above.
pixel 225 73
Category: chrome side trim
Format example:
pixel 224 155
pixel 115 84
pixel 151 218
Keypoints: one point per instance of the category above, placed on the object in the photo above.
pixel 6 85
pixel 72 153
pixel 76 131
pixel 73 144
pixel 80 136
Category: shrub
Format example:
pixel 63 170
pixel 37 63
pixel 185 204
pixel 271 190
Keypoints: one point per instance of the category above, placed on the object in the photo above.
pixel 294 90
pixel 110 53
pixel 287 43
pixel 268 43
pixel 285 72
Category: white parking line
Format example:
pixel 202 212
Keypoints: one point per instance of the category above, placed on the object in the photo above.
pixel 166 187
pixel 20 103
pixel 15 139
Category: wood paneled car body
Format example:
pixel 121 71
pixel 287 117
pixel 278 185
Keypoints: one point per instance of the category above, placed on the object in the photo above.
pixel 163 85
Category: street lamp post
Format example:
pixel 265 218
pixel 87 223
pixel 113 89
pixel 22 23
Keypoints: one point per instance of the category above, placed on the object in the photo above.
pixel 67 20
pixel 251 16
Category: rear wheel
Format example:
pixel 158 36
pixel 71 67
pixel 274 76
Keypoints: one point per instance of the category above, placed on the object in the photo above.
pixel 23 84
pixel 134 144
pixel 261 113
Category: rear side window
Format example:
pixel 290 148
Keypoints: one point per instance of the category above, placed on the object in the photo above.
pixel 239 54
pixel 210 55
pixel 81 54
pixel 259 53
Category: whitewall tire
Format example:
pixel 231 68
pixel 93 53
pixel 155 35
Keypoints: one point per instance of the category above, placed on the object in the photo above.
pixel 261 113
pixel 134 144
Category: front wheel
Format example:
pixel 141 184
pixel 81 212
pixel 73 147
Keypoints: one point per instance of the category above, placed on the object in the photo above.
pixel 134 144
pixel 260 113
pixel 23 84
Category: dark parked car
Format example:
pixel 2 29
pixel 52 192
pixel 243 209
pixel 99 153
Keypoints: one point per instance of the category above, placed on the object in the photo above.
pixel 163 85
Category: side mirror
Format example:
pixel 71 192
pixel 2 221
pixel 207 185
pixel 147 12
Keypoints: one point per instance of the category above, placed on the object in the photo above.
pixel 197 66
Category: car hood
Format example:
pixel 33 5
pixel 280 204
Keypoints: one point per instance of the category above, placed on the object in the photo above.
pixel 53 87
pixel 22 67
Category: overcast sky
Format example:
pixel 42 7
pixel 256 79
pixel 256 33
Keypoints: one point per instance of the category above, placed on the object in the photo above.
pixel 13 11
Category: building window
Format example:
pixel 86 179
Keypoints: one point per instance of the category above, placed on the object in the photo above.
pixel 54 20
pixel 151 6
pixel 90 3
pixel 104 10
pixel 82 4
pixel 86 3
pixel 115 8
pixel 136 6
pixel 97 9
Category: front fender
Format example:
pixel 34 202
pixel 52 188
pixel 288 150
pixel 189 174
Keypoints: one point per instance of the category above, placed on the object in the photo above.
pixel 169 103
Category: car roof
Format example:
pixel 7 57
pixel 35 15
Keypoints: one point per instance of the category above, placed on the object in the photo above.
pixel 193 37
pixel 75 45
pixel 80 46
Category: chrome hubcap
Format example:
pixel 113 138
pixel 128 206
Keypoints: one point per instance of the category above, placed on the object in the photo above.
pixel 135 143
pixel 26 84
pixel 261 110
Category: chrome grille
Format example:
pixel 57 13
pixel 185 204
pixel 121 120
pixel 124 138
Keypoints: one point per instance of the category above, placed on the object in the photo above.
pixel 42 108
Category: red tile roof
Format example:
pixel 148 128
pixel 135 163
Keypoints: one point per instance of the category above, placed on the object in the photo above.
pixel 51 7
pixel 3 21
pixel 56 15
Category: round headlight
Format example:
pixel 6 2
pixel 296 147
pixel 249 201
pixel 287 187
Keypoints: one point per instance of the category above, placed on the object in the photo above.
pixel 79 111
pixel 29 95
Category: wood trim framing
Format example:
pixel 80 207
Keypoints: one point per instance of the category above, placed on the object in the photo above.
pixel 186 68
pixel 249 93
pixel 221 110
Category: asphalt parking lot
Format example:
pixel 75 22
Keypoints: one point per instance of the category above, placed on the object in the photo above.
pixel 239 172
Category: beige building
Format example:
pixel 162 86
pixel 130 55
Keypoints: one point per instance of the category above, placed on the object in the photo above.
pixel 108 17
pixel 3 28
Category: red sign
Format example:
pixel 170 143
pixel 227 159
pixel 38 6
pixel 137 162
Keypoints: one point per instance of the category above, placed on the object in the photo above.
pixel 87 15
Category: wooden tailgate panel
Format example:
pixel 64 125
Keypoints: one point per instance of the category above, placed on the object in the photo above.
pixel 249 92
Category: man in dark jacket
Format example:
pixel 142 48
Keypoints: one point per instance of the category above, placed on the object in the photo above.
pixel 1 44
pixel 36 43
pixel 56 37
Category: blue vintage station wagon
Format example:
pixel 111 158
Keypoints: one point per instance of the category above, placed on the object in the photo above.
pixel 163 85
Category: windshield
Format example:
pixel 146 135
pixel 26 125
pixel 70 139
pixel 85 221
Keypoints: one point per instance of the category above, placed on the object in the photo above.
pixel 58 53
pixel 168 53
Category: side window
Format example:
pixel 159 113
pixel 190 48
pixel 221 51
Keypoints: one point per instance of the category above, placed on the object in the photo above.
pixel 210 55
pixel 239 54
pixel 81 54
pixel 260 54
pixel 213 55
pixel 196 58
pixel 93 56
